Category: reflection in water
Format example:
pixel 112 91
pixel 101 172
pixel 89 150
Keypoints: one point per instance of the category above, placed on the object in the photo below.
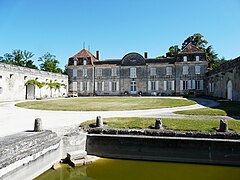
pixel 115 169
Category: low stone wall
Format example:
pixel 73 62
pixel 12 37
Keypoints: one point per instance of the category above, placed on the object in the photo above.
pixel 160 146
pixel 26 155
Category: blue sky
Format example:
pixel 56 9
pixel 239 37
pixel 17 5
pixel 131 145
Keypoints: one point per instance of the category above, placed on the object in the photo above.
pixel 117 27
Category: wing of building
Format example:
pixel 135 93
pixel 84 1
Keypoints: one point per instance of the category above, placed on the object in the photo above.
pixel 138 74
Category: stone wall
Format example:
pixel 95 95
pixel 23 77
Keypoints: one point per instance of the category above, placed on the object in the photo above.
pixel 224 82
pixel 13 79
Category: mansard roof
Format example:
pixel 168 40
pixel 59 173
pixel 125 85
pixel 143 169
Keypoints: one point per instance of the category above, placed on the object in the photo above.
pixel 190 48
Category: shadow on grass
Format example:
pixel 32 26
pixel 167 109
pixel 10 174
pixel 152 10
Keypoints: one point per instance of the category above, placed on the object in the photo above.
pixel 232 109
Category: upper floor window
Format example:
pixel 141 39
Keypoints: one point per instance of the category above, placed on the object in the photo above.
pixel 74 72
pixel 185 70
pixel 114 71
pixel 153 71
pixel 168 71
pixel 197 58
pixel 75 62
pixel 184 58
pixel 84 62
pixel 133 73
pixel 85 72
pixel 98 72
pixel 197 70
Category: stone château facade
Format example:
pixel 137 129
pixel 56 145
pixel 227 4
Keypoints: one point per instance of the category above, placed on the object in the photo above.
pixel 13 83
pixel 136 74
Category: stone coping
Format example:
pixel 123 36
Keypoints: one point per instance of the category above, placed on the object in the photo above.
pixel 164 133
pixel 19 146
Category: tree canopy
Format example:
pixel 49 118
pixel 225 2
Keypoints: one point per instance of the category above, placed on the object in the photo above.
pixel 19 58
pixel 49 63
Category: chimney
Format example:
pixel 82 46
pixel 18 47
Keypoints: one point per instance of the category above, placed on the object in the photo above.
pixel 145 55
pixel 97 55
pixel 175 50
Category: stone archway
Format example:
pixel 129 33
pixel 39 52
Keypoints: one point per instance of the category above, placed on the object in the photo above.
pixel 229 90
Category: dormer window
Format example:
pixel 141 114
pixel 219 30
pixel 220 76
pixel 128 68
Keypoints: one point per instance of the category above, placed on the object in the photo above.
pixel 75 62
pixel 184 58
pixel 197 58
pixel 84 62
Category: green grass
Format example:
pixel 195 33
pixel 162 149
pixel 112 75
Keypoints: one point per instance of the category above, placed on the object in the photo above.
pixel 168 123
pixel 224 109
pixel 106 104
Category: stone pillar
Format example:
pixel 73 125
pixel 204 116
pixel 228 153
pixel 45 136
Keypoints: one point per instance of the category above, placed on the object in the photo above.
pixel 38 125
pixel 223 127
pixel 158 124
pixel 99 121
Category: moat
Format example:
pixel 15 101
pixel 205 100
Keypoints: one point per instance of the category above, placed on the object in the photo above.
pixel 116 169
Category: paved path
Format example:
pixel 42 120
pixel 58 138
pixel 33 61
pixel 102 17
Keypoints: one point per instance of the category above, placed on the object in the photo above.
pixel 14 119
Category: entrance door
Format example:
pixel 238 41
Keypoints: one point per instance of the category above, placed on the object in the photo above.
pixel 133 87
pixel 229 90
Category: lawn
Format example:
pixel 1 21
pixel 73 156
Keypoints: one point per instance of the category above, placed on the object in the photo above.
pixel 225 108
pixel 168 123
pixel 105 104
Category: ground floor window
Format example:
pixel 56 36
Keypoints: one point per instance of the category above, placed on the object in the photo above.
pixel 153 85
pixel 74 86
pixel 198 86
pixel 114 86
pixel 133 86
pixel 185 85
pixel 85 86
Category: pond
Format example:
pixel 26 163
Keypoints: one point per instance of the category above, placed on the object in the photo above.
pixel 116 169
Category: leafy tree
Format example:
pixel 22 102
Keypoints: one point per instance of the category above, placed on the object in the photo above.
pixel 19 58
pixel 49 63
pixel 196 40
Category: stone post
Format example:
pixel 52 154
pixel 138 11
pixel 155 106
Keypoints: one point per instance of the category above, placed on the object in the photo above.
pixel 38 125
pixel 158 124
pixel 223 127
pixel 99 121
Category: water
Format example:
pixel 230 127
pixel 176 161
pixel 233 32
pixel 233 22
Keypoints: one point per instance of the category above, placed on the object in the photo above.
pixel 115 169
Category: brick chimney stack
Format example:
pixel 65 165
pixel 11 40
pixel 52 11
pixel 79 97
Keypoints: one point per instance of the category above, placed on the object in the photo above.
pixel 145 55
pixel 97 55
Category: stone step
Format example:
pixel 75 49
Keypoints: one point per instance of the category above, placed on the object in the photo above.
pixel 75 155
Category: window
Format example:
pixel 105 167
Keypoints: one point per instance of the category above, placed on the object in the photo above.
pixel 168 71
pixel 198 84
pixel 133 86
pixel 75 62
pixel 74 86
pixel 133 72
pixel 197 58
pixel 98 72
pixel 185 70
pixel 85 86
pixel 114 71
pixel 114 86
pixel 184 58
pixel 197 70
pixel 11 75
pixel 0 76
pixel 74 72
pixel 99 86
pixel 84 62
pixel 185 85
pixel 1 90
pixel 153 85
pixel 84 72
pixel 169 85
pixel 153 72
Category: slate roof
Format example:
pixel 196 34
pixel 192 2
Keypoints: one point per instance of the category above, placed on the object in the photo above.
pixel 190 48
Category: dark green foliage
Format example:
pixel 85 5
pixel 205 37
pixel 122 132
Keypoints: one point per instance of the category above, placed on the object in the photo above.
pixel 49 63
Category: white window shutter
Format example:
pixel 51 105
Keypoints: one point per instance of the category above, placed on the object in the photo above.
pixel 189 84
pixel 181 85
pixel 193 84
pixel 110 86
pixel 96 88
pixel 117 86
pixel 74 86
pixel 88 86
pixel 157 87
pixel 81 86
pixel 103 86
pixel 164 85
pixel 149 85
pixel 173 86
pixel 201 84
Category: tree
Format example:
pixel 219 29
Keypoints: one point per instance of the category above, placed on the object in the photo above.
pixel 40 85
pixel 19 58
pixel 49 63
pixel 196 40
